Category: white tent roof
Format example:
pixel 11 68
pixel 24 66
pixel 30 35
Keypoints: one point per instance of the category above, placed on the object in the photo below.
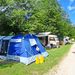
pixel 43 34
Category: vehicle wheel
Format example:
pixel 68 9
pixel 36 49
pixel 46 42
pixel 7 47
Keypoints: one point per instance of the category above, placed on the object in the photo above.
pixel 52 46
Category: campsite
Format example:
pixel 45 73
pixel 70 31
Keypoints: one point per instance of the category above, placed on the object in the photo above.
pixel 36 36
pixel 19 51
pixel 55 55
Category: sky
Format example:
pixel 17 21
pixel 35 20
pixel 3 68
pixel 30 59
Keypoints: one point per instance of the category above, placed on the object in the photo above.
pixel 69 7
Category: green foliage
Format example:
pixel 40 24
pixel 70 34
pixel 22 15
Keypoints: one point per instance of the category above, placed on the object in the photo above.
pixel 34 16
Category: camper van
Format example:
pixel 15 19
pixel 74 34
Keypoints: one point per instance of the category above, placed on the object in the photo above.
pixel 48 40
pixel 53 41
pixel 67 40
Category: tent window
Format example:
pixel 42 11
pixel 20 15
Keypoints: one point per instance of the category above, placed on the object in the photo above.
pixel 37 48
pixel 4 47
pixel 0 45
pixel 32 42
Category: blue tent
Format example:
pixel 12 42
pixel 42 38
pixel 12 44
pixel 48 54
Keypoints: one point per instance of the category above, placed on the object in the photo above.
pixel 25 48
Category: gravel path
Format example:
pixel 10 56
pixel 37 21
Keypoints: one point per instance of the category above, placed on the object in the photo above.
pixel 67 65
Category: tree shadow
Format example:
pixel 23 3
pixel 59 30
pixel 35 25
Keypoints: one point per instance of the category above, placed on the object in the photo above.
pixel 7 63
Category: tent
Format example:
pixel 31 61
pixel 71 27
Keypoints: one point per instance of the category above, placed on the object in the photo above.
pixel 25 48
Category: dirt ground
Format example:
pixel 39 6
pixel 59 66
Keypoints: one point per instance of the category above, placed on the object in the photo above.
pixel 66 66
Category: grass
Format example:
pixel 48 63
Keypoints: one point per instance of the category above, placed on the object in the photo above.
pixel 15 68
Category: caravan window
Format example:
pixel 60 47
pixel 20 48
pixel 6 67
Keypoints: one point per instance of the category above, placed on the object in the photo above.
pixel 52 39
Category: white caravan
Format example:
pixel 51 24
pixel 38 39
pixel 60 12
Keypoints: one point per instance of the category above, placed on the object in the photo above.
pixel 53 41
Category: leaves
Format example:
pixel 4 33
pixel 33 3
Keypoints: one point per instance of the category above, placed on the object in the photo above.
pixel 34 16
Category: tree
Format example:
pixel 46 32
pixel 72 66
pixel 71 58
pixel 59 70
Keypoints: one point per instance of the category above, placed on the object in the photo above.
pixel 34 16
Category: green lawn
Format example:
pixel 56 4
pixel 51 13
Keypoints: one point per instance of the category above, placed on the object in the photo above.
pixel 15 68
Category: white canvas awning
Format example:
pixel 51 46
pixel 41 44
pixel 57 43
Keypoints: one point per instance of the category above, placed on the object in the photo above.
pixel 43 34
